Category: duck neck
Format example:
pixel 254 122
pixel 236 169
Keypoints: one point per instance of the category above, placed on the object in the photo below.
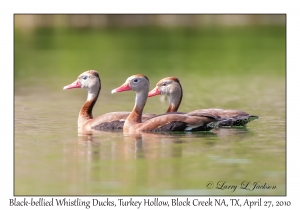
pixel 135 116
pixel 175 100
pixel 85 113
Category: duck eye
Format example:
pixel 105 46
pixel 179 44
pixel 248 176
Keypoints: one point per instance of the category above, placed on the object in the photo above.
pixel 84 77
pixel 164 84
pixel 135 80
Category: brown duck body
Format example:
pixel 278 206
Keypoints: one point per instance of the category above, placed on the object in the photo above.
pixel 171 87
pixel 165 122
pixel 230 117
pixel 109 121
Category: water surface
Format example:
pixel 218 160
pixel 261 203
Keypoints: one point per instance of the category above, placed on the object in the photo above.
pixel 51 158
pixel 231 68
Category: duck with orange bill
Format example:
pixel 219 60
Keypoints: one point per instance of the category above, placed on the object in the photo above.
pixel 171 87
pixel 165 122
pixel 90 80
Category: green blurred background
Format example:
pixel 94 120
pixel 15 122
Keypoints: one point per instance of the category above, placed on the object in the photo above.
pixel 213 45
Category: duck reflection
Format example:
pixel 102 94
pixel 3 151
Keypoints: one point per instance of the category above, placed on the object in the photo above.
pixel 116 145
pixel 116 161
pixel 232 133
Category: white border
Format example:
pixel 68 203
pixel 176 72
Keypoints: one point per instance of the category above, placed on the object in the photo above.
pixel 8 8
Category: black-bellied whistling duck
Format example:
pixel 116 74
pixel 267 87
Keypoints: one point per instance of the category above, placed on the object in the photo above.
pixel 109 121
pixel 171 87
pixel 165 122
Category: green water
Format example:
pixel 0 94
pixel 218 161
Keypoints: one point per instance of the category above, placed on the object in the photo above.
pixel 233 68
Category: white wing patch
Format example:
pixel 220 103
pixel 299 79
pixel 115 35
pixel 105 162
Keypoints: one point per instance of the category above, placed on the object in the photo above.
pixel 190 127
